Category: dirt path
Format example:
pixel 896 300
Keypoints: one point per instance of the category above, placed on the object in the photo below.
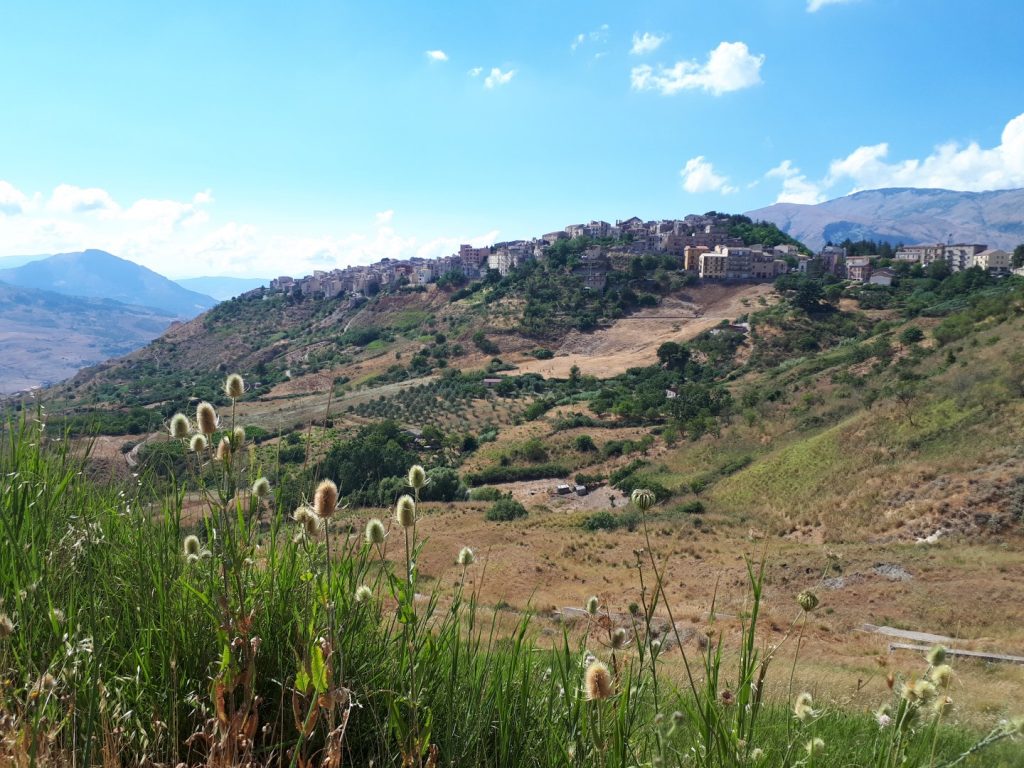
pixel 634 341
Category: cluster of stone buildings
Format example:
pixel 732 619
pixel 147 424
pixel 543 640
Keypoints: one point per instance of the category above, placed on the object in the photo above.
pixel 701 244
pixel 958 256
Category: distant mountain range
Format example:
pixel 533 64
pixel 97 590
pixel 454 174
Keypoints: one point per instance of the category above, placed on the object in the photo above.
pixel 46 337
pixel 222 288
pixel 98 274
pixel 905 216
pixel 9 262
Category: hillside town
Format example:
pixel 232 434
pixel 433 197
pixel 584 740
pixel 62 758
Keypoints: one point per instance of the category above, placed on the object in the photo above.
pixel 699 244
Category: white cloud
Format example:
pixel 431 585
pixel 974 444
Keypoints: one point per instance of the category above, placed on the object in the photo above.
pixel 497 77
pixel 599 36
pixel 730 67
pixel 476 71
pixel 181 238
pixel 646 43
pixel 699 176
pixel 969 168
pixel 437 55
pixel 796 188
pixel 813 6
pixel 12 199
pixel 67 198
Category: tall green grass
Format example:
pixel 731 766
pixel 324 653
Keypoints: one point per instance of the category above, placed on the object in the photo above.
pixel 121 650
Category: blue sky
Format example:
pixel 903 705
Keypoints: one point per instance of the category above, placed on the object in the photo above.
pixel 273 138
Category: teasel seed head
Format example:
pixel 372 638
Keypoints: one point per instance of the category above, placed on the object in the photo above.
pixel 179 426
pixel 206 418
pixel 364 594
pixel 375 532
pixel 224 449
pixel 234 386
pixel 618 638
pixel 192 545
pixel 642 498
pixel 307 518
pixel 803 709
pixel 592 605
pixel 936 655
pixel 261 488
pixel 466 557
pixel 815 746
pixel 405 511
pixel 942 706
pixel 417 477
pixel 238 438
pixel 941 675
pixel 807 600
pixel 325 499
pixel 197 443
pixel 6 626
pixel 598 682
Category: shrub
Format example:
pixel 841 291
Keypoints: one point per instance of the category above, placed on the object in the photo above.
pixel 584 444
pixel 692 507
pixel 543 353
pixel 504 509
pixel 486 493
pixel 513 474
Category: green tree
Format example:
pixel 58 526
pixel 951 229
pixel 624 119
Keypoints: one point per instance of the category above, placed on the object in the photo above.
pixel 1018 256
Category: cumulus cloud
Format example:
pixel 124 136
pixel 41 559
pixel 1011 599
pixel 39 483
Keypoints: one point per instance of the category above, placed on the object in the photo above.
pixel 951 165
pixel 646 43
pixel 729 67
pixel 181 238
pixel 12 199
pixel 476 71
pixel 967 167
pixel 599 35
pixel 437 55
pixel 796 188
pixel 813 6
pixel 67 198
pixel 699 176
pixel 497 77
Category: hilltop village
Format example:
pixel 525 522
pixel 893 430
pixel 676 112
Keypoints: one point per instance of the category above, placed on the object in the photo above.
pixel 705 246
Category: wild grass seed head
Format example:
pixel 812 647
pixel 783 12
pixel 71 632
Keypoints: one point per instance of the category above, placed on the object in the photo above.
pixel 325 499
pixel 364 594
pixel 598 682
pixel 466 557
pixel 6 626
pixel 192 545
pixel 261 488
